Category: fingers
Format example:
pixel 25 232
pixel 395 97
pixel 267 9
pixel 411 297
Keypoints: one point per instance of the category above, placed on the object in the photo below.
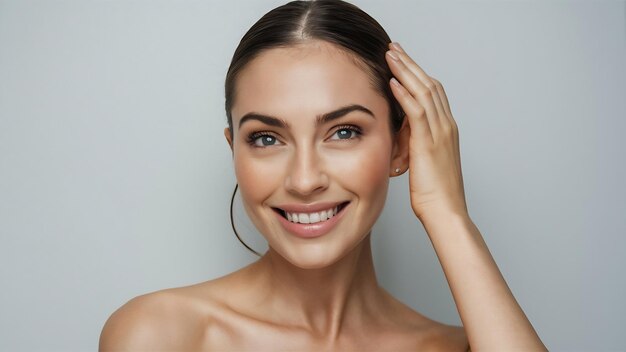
pixel 446 106
pixel 416 89
pixel 415 113
pixel 426 90
pixel 442 96
pixel 426 80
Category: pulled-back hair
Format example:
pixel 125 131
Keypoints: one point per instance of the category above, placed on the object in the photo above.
pixel 333 21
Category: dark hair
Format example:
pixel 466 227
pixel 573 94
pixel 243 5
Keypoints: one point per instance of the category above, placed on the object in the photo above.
pixel 335 21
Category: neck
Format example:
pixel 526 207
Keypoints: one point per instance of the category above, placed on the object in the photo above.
pixel 322 300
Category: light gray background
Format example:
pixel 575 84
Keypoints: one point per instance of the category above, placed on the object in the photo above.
pixel 115 178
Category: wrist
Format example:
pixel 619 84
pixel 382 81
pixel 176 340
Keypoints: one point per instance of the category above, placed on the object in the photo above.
pixel 444 216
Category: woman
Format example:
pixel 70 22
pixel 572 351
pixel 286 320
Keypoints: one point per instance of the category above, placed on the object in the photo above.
pixel 317 125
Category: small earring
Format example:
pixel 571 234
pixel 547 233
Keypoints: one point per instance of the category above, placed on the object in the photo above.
pixel 397 170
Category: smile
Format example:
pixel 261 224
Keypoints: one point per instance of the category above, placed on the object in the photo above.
pixel 312 218
pixel 311 224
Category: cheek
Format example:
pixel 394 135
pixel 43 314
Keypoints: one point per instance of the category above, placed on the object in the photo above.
pixel 365 170
pixel 257 177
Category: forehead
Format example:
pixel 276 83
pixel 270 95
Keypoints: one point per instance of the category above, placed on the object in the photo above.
pixel 304 80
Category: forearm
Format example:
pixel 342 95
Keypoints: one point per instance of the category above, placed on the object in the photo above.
pixel 492 318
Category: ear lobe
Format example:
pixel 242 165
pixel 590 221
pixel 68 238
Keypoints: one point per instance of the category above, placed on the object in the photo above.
pixel 400 156
pixel 228 137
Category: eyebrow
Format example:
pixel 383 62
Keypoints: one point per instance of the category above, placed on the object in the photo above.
pixel 320 120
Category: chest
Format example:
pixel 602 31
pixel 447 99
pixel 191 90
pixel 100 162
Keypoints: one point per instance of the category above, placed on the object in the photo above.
pixel 259 336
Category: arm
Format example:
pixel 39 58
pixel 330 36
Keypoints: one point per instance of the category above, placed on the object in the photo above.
pixel 429 139
pixel 492 318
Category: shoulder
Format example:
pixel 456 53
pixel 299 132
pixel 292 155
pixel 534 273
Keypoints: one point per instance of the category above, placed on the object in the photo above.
pixel 157 320
pixel 426 334
pixel 442 337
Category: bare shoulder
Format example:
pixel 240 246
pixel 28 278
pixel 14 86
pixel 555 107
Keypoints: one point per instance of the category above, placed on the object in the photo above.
pixel 163 320
pixel 442 337
pixel 423 333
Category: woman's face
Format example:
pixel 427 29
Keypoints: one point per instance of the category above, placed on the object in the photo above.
pixel 286 158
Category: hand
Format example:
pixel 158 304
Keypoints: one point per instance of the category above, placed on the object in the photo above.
pixel 435 179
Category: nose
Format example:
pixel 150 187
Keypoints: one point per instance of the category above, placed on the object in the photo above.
pixel 306 175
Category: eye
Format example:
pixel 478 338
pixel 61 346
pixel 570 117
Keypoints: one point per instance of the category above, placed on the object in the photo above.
pixel 262 139
pixel 347 132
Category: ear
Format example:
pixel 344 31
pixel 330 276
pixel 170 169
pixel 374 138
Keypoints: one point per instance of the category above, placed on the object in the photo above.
pixel 400 152
pixel 228 138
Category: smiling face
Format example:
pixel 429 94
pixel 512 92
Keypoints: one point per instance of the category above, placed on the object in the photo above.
pixel 309 129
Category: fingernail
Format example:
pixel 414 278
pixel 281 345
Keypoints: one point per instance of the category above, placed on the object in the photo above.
pixel 395 82
pixel 397 46
pixel 393 55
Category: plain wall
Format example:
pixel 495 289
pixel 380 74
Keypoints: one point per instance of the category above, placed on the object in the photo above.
pixel 115 177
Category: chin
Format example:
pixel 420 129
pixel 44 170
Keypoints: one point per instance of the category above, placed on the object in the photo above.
pixel 315 255
pixel 311 263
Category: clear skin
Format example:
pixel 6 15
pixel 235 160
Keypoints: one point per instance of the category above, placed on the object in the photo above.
pixel 322 294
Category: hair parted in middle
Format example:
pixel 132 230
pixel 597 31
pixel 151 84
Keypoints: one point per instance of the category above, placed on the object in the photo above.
pixel 335 21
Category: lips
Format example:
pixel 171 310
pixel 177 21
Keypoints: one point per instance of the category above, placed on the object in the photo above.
pixel 311 230
pixel 309 210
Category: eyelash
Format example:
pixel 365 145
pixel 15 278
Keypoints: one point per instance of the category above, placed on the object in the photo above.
pixel 357 130
pixel 252 137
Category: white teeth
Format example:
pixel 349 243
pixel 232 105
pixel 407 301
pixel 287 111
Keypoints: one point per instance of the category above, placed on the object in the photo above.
pixel 312 218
